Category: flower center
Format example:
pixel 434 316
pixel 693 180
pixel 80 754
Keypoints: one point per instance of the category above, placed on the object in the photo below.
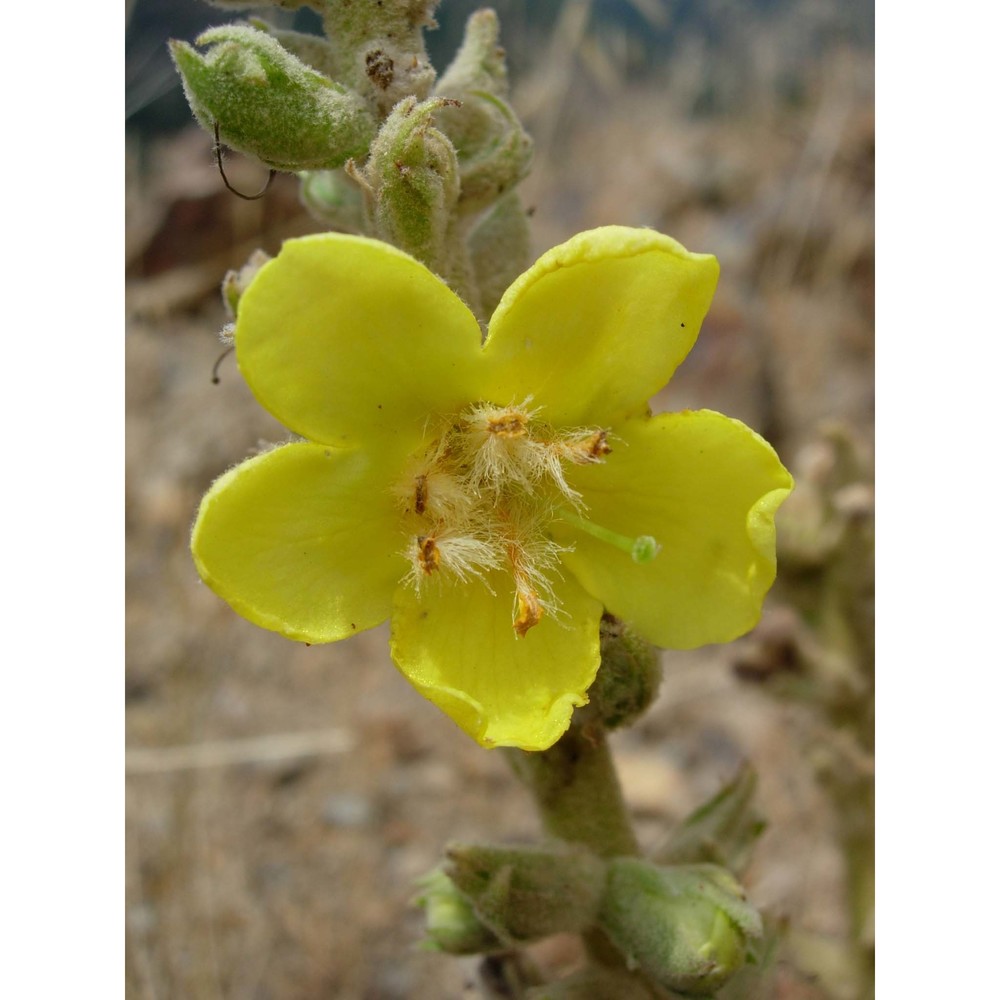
pixel 479 499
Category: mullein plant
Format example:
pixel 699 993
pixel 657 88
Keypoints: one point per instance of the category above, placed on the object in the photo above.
pixel 476 461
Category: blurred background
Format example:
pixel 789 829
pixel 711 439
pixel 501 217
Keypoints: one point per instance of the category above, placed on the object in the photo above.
pixel 281 800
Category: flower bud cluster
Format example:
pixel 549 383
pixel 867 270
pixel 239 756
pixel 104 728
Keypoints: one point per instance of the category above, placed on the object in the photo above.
pixel 687 928
pixel 382 150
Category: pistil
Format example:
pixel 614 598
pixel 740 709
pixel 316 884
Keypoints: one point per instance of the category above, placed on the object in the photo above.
pixel 642 549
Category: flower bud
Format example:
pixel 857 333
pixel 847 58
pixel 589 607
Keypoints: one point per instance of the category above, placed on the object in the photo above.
pixel 629 677
pixel 526 894
pixel 270 104
pixel 686 927
pixel 452 924
pixel 494 151
pixel 333 198
pixel 412 175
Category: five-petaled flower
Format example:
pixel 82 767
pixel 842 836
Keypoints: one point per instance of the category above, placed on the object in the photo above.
pixel 492 497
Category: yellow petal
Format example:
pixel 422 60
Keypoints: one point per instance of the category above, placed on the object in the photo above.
pixel 599 324
pixel 344 339
pixel 456 644
pixel 303 540
pixel 706 487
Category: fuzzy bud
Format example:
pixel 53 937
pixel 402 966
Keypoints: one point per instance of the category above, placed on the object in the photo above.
pixel 334 198
pixel 269 103
pixel 494 151
pixel 526 894
pixel 412 176
pixel 452 924
pixel 629 677
pixel 686 927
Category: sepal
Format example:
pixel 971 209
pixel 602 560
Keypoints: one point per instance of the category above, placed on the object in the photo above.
pixel 721 831
pixel 525 894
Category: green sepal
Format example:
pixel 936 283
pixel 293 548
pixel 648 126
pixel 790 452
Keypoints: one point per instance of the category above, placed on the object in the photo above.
pixel 270 104
pixel 687 927
pixel 524 894
pixel 721 831
pixel 313 50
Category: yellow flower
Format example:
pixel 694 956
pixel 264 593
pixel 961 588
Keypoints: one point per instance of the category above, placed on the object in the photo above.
pixel 493 497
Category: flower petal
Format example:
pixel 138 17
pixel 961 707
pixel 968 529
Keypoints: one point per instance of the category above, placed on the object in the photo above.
pixel 706 487
pixel 303 540
pixel 598 325
pixel 342 338
pixel 455 643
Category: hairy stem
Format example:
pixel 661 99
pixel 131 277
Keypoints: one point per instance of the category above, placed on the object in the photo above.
pixel 576 789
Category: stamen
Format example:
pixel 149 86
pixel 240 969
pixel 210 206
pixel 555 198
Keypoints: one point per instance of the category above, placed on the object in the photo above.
pixel 511 424
pixel 584 447
pixel 428 554
pixel 455 556
pixel 643 549
pixel 419 493
pixel 529 612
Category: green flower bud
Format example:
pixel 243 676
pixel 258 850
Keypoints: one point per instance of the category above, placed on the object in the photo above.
pixel 479 64
pixel 721 831
pixel 333 198
pixel 526 894
pixel 685 927
pixel 494 151
pixel 629 677
pixel 270 104
pixel 452 924
pixel 412 176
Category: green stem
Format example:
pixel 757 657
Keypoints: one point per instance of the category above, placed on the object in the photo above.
pixel 576 789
